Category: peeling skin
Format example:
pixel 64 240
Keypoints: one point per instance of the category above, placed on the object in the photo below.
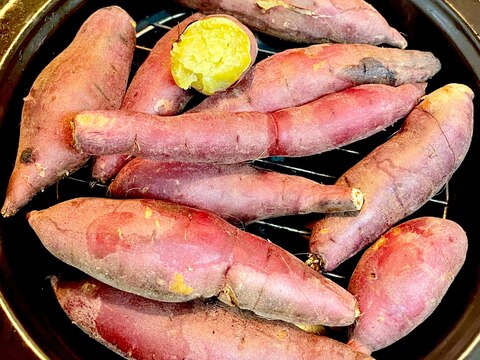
pixel 269 4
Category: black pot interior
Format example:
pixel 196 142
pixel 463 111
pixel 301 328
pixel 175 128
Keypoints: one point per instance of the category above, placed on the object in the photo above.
pixel 25 266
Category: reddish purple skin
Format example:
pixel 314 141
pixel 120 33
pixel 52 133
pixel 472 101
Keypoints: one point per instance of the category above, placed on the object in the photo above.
pixel 140 328
pixel 173 253
pixel 401 175
pixel 153 91
pixel 236 192
pixel 342 118
pixel 90 74
pixel 297 76
pixel 347 21
pixel 250 135
pixel 400 280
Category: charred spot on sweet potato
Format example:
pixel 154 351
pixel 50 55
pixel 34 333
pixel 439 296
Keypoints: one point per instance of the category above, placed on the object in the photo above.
pixel 374 69
pixel 28 156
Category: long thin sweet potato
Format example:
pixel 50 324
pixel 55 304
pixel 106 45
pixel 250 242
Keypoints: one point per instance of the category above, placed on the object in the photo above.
pixel 401 175
pixel 153 91
pixel 140 328
pixel 236 192
pixel 173 253
pixel 401 279
pixel 347 21
pixel 296 76
pixel 321 125
pixel 91 73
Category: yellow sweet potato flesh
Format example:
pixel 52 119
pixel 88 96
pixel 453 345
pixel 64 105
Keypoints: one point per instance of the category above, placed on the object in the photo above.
pixel 211 55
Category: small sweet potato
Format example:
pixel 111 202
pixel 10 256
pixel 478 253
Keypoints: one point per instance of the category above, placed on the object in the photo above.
pixel 140 328
pixel 173 253
pixel 236 192
pixel 212 54
pixel 299 75
pixel 401 175
pixel 221 137
pixel 91 73
pixel 153 91
pixel 401 279
pixel 347 21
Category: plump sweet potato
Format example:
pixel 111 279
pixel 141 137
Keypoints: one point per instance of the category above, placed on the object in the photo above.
pixel 296 76
pixel 140 328
pixel 236 192
pixel 212 54
pixel 173 253
pixel 91 73
pixel 153 91
pixel 321 125
pixel 348 21
pixel 401 279
pixel 401 175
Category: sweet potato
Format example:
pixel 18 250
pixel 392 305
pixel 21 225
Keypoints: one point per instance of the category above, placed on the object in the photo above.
pixel 173 253
pixel 401 279
pixel 296 76
pixel 321 125
pixel 140 328
pixel 153 91
pixel 91 73
pixel 348 21
pixel 212 54
pixel 401 175
pixel 236 192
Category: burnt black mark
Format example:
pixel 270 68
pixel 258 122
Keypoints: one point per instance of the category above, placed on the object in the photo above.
pixel 28 156
pixel 370 70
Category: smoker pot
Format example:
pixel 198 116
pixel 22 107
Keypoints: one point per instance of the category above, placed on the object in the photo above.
pixel 33 32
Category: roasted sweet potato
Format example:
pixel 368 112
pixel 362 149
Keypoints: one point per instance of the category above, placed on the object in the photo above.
pixel 299 75
pixel 91 73
pixel 236 192
pixel 212 54
pixel 401 279
pixel 321 125
pixel 153 91
pixel 140 328
pixel 401 175
pixel 348 21
pixel 173 253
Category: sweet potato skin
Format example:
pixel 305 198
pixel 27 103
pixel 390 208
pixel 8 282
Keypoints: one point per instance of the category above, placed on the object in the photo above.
pixel 350 21
pixel 401 175
pixel 91 73
pixel 130 325
pixel 400 280
pixel 236 192
pixel 153 91
pixel 172 253
pixel 248 135
pixel 299 75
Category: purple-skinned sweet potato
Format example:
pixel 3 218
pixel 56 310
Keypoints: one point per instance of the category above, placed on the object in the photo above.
pixel 400 280
pixel 346 21
pixel 153 91
pixel 173 253
pixel 299 75
pixel 220 137
pixel 400 175
pixel 236 192
pixel 139 328
pixel 91 73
